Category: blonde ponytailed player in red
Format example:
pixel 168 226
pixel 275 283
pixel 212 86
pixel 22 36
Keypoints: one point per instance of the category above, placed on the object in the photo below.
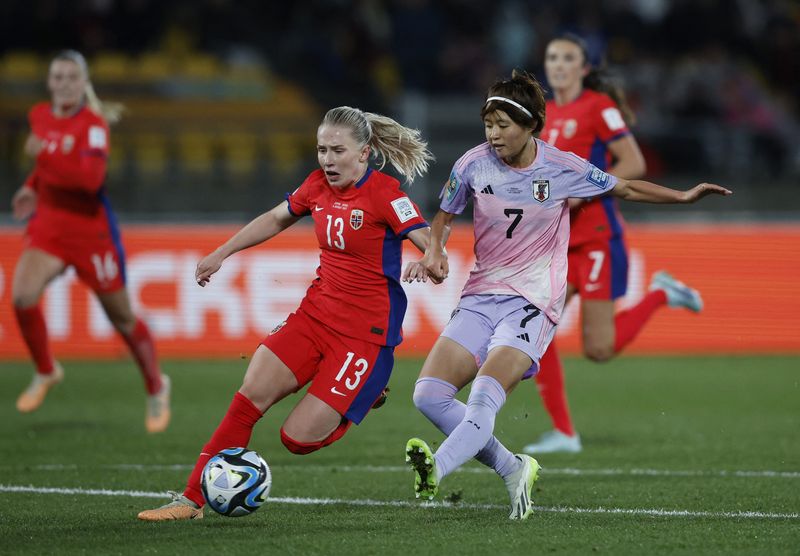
pixel 588 116
pixel 72 224
pixel 342 337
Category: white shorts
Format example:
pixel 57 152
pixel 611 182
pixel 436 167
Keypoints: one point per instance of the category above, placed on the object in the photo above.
pixel 483 322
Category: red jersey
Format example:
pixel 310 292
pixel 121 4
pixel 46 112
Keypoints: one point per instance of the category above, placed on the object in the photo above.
pixel 69 174
pixel 360 230
pixel 585 127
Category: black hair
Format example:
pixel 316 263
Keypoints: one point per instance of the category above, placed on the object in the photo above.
pixel 524 89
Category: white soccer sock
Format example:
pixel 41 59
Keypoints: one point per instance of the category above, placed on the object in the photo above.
pixel 435 398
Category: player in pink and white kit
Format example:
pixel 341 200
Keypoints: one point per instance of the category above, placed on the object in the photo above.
pixel 514 296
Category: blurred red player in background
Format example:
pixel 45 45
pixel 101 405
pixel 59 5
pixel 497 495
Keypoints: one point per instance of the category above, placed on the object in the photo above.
pixel 72 224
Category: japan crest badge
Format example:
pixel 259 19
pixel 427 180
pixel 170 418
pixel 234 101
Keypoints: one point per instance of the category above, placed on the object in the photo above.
pixel 356 218
pixel 541 190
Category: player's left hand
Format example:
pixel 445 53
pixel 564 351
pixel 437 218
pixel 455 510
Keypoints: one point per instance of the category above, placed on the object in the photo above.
pixel 416 271
pixel 702 189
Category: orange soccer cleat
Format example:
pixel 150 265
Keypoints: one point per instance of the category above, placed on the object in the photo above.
pixel 158 414
pixel 180 509
pixel 33 396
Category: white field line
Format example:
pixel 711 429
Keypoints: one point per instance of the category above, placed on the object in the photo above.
pixel 408 504
pixel 571 471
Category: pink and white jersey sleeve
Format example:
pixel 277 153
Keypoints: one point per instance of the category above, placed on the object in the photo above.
pixel 521 220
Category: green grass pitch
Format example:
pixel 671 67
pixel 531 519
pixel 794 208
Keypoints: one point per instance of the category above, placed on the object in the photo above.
pixel 681 456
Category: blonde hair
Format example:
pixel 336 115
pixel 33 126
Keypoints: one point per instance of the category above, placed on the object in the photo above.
pixel 388 140
pixel 110 111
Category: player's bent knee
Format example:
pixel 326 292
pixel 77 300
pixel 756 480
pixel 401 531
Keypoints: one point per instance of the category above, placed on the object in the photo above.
pixel 302 448
pixel 24 300
pixel 297 447
pixel 429 406
pixel 430 397
pixel 423 400
pixel 598 354
pixel 122 323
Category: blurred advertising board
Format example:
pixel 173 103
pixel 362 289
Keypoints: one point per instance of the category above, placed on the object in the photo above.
pixel 747 274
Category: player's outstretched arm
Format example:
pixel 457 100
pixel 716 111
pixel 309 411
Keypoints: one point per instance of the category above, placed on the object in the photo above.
pixel 257 231
pixel 641 191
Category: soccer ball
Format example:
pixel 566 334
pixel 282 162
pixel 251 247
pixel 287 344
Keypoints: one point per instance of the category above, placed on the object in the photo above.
pixel 236 482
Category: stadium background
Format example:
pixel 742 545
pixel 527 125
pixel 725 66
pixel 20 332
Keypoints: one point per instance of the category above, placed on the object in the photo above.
pixel 223 102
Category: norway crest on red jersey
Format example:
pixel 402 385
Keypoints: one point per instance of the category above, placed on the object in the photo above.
pixel 356 218
pixel 541 190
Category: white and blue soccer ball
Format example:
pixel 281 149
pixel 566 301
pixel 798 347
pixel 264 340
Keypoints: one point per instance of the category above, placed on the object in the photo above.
pixel 236 482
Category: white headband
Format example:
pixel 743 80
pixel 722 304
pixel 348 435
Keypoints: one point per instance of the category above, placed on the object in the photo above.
pixel 511 102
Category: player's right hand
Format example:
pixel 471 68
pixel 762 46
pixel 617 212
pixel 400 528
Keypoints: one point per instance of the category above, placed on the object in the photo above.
pixel 207 266
pixel 23 203
pixel 435 262
pixel 33 146
pixel 703 189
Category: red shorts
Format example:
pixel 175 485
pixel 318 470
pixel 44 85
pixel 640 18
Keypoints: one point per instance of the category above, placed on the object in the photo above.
pixel 99 262
pixel 346 373
pixel 599 269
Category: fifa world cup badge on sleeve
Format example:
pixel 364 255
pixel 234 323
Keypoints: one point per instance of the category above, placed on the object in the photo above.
pixel 613 119
pixel 451 186
pixel 404 209
pixel 97 137
pixel 541 190
pixel 597 177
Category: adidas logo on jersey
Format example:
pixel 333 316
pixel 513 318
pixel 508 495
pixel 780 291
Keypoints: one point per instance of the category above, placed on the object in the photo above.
pixel 488 190
pixel 524 336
